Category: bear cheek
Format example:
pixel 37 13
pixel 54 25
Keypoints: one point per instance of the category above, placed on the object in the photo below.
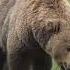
pixel 59 56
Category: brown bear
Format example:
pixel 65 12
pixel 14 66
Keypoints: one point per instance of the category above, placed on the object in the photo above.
pixel 35 27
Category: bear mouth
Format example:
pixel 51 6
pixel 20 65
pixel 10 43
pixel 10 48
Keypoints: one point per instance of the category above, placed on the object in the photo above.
pixel 63 68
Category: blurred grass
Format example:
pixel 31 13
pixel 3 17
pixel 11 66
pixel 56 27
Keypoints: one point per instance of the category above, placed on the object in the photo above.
pixel 55 66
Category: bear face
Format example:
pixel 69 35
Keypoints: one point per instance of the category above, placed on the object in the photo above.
pixel 59 49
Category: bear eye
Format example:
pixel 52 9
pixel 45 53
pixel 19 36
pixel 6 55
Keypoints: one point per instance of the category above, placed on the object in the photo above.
pixel 68 49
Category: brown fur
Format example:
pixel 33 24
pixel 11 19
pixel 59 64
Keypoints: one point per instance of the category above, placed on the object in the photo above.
pixel 32 24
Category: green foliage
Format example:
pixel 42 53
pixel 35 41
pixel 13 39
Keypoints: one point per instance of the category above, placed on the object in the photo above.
pixel 55 66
